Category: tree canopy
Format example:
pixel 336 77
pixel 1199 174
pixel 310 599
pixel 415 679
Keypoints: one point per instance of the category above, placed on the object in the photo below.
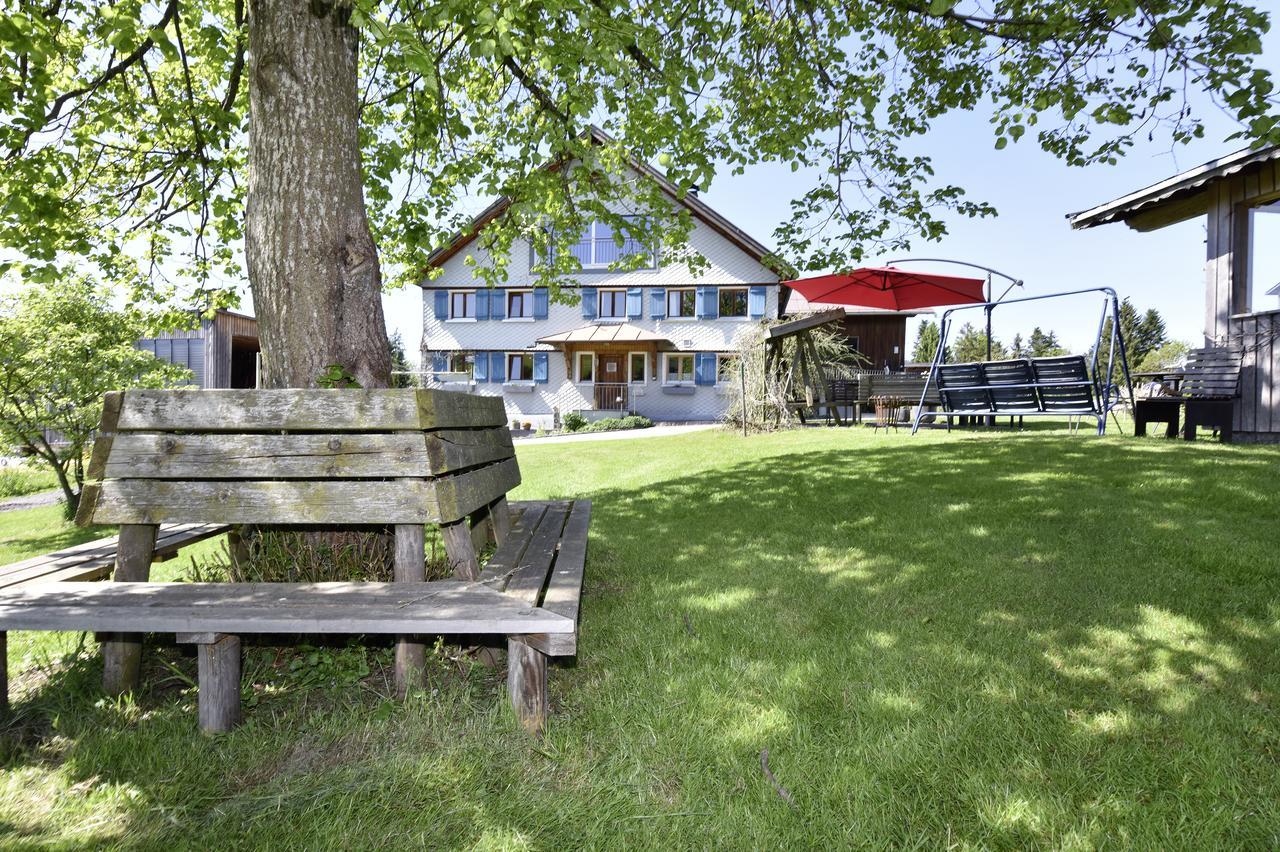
pixel 124 121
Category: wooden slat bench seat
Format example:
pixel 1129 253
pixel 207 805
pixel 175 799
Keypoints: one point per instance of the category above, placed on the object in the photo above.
pixel 93 560
pixel 341 458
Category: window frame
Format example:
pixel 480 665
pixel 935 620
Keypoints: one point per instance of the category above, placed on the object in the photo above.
pixel 511 356
pixel 592 239
pixel 618 296
pixel 666 369
pixel 469 299
pixel 746 302
pixel 692 292
pixel 525 294
pixel 466 358
pixel 721 359
pixel 644 368
pixel 577 368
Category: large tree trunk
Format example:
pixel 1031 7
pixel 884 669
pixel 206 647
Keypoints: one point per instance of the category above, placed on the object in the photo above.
pixel 313 265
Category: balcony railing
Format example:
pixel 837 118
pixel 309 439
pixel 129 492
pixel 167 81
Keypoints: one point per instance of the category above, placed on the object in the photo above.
pixel 612 397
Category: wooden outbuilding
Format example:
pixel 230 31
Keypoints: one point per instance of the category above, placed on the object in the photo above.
pixel 221 353
pixel 879 336
pixel 1231 195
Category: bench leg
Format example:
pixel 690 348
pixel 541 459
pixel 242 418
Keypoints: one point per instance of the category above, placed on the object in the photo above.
pixel 527 685
pixel 411 654
pixel 460 550
pixel 122 656
pixel 500 517
pixel 219 671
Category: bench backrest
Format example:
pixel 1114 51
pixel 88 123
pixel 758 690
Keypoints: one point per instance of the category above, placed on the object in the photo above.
pixel 1063 383
pixel 1212 373
pixel 1018 386
pixel 331 457
pixel 904 385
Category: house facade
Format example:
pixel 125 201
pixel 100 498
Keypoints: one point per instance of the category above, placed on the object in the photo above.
pixel 1238 199
pixel 652 341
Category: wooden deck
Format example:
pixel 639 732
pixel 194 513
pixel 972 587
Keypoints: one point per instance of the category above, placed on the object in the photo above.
pixel 94 560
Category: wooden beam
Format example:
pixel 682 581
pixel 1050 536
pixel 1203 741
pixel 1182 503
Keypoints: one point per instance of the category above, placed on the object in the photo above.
pixel 410 568
pixel 527 685
pixel 795 326
pixel 122 657
pixel 218 668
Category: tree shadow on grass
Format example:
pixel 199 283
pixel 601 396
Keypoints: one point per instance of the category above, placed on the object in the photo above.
pixel 1030 641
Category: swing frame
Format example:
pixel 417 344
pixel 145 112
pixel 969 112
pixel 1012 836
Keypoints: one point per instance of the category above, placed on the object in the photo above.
pixel 1106 393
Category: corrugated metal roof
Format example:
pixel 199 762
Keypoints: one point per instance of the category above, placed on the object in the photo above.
pixel 1179 185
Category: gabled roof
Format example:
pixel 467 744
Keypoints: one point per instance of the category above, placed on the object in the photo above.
pixel 700 209
pixel 1179 186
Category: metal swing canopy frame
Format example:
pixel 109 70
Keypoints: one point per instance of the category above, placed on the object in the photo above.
pixel 1104 393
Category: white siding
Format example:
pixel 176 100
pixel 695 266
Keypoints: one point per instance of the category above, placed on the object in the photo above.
pixel 727 266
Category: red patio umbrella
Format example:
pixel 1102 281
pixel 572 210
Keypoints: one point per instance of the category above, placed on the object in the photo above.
pixel 890 288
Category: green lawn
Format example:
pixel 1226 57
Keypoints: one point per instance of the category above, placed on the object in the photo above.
pixel 1025 640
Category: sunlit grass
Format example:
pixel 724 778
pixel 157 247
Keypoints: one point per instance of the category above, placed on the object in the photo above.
pixel 1003 640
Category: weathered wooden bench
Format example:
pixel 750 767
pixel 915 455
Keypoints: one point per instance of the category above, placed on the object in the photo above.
pixel 326 458
pixel 93 560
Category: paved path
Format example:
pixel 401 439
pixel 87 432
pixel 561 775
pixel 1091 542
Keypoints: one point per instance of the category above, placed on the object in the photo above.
pixel 619 435
pixel 31 501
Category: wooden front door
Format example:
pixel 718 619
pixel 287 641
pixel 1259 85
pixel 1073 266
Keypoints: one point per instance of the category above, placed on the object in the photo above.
pixel 611 383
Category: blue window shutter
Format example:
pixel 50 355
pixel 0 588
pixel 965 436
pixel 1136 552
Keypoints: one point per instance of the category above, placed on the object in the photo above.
pixel 497 366
pixel 588 302
pixel 480 367
pixel 497 304
pixel 442 304
pixel 540 303
pixel 635 303
pixel 540 367
pixel 657 304
pixel 482 304
pixel 756 301
pixel 708 305
pixel 439 363
pixel 704 372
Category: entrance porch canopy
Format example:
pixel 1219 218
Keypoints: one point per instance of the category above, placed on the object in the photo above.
pixel 607 333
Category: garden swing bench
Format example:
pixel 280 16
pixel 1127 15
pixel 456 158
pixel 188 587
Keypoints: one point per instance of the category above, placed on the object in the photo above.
pixel 1069 386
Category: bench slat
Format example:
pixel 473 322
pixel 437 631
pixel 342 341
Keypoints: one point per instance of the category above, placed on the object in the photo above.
pixel 459 496
pixel 306 410
pixel 506 558
pixel 159 455
pixel 564 587
pixel 250 608
pixel 94 559
pixel 531 574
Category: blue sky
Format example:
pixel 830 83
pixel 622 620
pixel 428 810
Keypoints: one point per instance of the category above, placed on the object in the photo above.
pixel 1029 239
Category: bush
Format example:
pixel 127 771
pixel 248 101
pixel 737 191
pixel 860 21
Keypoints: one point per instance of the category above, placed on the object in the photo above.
pixel 20 479
pixel 613 424
pixel 574 422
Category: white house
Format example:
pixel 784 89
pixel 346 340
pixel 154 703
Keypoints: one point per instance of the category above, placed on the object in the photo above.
pixel 648 341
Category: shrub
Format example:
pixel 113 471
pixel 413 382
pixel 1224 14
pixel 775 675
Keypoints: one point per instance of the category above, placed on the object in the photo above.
pixel 612 424
pixel 574 422
pixel 18 480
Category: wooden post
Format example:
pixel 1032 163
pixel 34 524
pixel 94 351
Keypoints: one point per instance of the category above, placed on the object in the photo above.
pixel 238 549
pixel 218 664
pixel 527 685
pixel 500 519
pixel 460 550
pixel 411 654
pixel 122 655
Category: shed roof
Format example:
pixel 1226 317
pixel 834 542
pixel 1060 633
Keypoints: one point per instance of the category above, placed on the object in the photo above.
pixel 1180 186
pixel 700 209
pixel 606 333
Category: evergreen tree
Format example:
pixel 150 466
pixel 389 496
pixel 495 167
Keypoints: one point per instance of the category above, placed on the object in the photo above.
pixel 400 366
pixel 1019 350
pixel 1043 344
pixel 926 346
pixel 971 345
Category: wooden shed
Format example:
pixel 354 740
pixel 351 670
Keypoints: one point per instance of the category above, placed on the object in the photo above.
pixel 879 336
pixel 1232 194
pixel 221 353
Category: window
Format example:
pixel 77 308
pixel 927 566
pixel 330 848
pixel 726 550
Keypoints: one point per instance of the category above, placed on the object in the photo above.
pixel 519 304
pixel 733 302
pixel 613 304
pixel 681 303
pixel 854 343
pixel 1263 259
pixel 679 369
pixel 597 246
pixel 638 368
pixel 519 366
pixel 586 367
pixel 726 369
pixel 462 304
pixel 461 362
